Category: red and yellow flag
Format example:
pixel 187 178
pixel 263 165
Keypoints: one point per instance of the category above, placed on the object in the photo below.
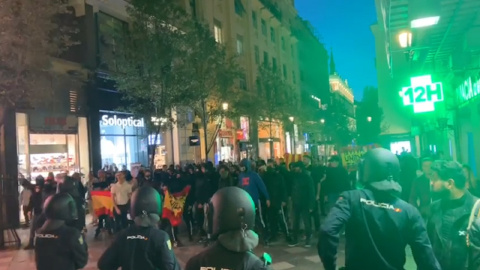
pixel 173 206
pixel 102 203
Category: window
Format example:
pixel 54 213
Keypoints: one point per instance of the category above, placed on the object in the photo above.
pixel 257 55
pixel 254 20
pixel 294 79
pixel 106 25
pixel 283 43
pixel 265 58
pixel 284 71
pixel 264 27
pixel 243 82
pixel 274 64
pixel 239 45
pixel 217 31
pixel 272 34
pixel 239 8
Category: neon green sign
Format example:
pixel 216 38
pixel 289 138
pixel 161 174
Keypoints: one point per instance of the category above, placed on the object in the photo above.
pixel 422 94
pixel 468 90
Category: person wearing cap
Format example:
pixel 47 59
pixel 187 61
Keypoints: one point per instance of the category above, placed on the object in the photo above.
pixel 58 246
pixel 231 215
pixel 378 224
pixel 141 246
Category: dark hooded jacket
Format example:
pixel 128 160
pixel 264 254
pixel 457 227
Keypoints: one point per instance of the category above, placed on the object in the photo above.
pixel 379 226
pixel 252 183
pixel 276 187
pixel 447 227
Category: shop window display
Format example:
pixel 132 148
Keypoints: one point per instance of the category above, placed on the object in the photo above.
pixel 55 153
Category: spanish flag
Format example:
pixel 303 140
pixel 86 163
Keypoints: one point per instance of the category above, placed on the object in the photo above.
pixel 173 206
pixel 102 203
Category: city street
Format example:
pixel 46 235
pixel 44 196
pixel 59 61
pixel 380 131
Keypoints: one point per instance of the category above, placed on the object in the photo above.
pixel 283 256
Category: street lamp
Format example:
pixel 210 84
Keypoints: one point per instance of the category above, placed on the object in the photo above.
pixel 292 119
pixel 405 39
pixel 369 119
pixel 225 106
pixel 322 121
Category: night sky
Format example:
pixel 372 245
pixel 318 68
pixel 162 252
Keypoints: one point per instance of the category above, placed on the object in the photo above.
pixel 344 26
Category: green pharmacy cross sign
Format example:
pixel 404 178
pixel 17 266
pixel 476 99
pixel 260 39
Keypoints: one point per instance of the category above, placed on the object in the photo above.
pixel 422 94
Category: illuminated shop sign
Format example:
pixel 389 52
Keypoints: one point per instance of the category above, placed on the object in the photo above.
pixel 468 90
pixel 114 120
pixel 422 94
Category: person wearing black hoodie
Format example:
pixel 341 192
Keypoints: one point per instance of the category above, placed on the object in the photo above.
pixel 36 204
pixel 303 201
pixel 278 197
pixel 379 224
pixel 189 178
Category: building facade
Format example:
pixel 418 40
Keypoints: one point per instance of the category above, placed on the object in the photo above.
pixel 428 77
pixel 258 32
pixel 314 87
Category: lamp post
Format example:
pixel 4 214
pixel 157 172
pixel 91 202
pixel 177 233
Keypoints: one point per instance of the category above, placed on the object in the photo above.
pixel 369 119
pixel 205 138
pixel 294 150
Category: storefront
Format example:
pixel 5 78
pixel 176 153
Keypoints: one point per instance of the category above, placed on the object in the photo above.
pixel 271 143
pixel 467 121
pixel 123 140
pixel 48 142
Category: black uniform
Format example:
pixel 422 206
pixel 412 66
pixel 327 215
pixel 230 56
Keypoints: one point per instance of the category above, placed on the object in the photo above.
pixel 141 246
pixel 61 248
pixel 136 248
pixel 230 211
pixel 218 257
pixel 377 233
pixel 379 225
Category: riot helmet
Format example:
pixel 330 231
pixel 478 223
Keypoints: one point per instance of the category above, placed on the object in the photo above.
pixel 60 206
pixel 230 209
pixel 377 165
pixel 146 207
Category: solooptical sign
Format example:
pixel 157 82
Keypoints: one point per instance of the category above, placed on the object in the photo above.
pixel 114 120
pixel 422 94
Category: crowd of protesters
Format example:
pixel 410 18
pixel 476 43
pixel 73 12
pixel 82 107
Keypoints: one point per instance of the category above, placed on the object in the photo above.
pixel 289 200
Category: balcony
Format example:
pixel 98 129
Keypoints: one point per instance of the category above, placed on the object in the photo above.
pixel 273 8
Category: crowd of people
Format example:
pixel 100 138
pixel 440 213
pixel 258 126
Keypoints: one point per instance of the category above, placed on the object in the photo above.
pixel 283 198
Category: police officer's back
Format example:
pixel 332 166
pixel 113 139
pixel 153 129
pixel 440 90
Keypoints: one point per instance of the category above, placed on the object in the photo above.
pixel 59 246
pixel 379 225
pixel 231 216
pixel 71 186
pixel 141 246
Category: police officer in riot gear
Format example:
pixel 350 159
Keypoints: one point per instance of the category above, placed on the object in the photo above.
pixel 59 246
pixel 71 186
pixel 379 224
pixel 231 218
pixel 143 245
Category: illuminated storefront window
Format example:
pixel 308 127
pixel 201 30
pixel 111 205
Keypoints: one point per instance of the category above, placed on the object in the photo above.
pixel 123 140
